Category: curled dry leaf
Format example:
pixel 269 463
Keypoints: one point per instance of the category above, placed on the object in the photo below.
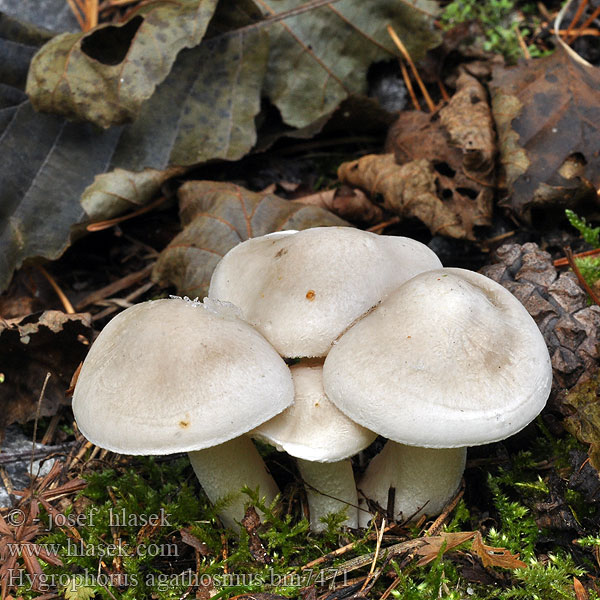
pixel 216 217
pixel 443 172
pixel 30 347
pixel 547 113
pixel 495 557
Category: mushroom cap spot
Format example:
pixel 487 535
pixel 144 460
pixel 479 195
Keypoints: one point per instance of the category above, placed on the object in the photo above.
pixel 170 376
pixel 347 270
pixel 450 359
pixel 313 428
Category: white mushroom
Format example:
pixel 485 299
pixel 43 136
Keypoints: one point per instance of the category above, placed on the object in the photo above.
pixel 450 359
pixel 303 289
pixel 172 375
pixel 322 438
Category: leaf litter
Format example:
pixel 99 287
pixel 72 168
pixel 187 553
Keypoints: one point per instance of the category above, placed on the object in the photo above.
pixel 230 212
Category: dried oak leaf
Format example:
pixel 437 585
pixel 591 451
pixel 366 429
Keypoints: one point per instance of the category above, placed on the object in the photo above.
pixel 30 347
pixel 495 557
pixel 433 545
pixel 442 171
pixel 547 114
pixel 216 217
pixel 583 402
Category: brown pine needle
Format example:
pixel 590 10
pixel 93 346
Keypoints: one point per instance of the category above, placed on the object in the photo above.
pixel 563 262
pixel 35 424
pixel 585 25
pixel 409 60
pixel 375 556
pixel 409 85
pixel 61 295
pixel 91 14
pixel 101 225
pixel 522 43
pixel 577 16
pixel 76 11
pixel 443 91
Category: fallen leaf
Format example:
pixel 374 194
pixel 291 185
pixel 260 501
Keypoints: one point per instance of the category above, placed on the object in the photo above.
pixel 547 114
pixel 30 347
pixel 583 404
pixel 495 557
pixel 216 217
pixel 408 190
pixel 432 545
pixel 104 75
pixel 443 173
pixel 319 58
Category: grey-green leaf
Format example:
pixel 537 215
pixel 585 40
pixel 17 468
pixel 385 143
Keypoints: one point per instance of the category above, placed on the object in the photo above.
pixel 105 75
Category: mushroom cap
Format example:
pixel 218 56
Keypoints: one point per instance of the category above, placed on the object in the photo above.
pixel 313 428
pixel 302 290
pixel 450 359
pixel 173 375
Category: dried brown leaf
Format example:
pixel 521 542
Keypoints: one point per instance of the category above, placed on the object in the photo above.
pixel 408 190
pixel 433 545
pixel 216 217
pixel 251 523
pixel 495 557
pixel 547 114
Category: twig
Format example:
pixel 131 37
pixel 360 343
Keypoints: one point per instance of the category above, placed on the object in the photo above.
pixel 343 549
pixel 435 527
pixel 569 254
pixel 111 309
pixel 35 423
pixel 409 60
pixel 115 287
pixel 61 295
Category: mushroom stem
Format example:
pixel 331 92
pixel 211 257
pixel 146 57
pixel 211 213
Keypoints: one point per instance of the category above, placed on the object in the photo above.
pixel 425 479
pixel 225 469
pixel 330 487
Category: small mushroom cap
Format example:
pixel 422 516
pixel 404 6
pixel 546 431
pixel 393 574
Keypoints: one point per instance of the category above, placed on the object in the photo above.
pixel 301 291
pixel 171 375
pixel 313 428
pixel 449 359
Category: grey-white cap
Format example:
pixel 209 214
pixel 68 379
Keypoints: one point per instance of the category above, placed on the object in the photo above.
pixel 302 290
pixel 313 428
pixel 172 375
pixel 450 359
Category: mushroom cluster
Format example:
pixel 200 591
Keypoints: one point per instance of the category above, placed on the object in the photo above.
pixel 384 342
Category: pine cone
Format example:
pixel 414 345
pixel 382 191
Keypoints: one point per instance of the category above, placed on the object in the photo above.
pixel 559 306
